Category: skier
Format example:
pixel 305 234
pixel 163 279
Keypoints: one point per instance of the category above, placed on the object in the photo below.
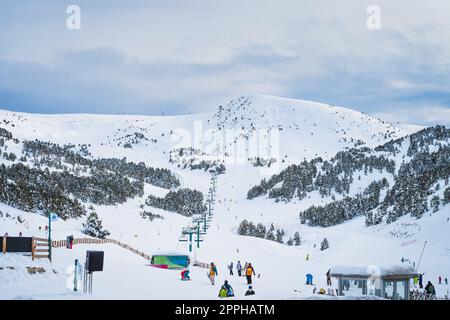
pixel 328 274
pixel 185 275
pixel 250 291
pixel 20 234
pixel 239 268
pixel 429 289
pixel 212 272
pixel 230 291
pixel 230 267
pixel 248 272
pixel 440 280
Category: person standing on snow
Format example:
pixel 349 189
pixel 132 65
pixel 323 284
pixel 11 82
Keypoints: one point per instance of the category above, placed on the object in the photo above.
pixel 421 280
pixel 212 272
pixel 328 274
pixel 248 273
pixel 230 267
pixel 446 281
pixel 440 280
pixel 239 268
pixel 230 291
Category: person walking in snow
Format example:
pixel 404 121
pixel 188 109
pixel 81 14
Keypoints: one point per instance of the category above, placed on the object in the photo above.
pixel 249 271
pixel 212 272
pixel 239 268
pixel 230 267
pixel 328 274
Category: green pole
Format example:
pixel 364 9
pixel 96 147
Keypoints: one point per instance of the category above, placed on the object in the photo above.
pixel 198 234
pixel 50 236
pixel 204 222
pixel 190 242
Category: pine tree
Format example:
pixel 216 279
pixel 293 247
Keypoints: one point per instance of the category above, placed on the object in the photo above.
pixel 270 235
pixel 324 244
pixel 290 242
pixel 93 227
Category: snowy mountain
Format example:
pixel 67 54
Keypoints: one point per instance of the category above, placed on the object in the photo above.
pixel 147 177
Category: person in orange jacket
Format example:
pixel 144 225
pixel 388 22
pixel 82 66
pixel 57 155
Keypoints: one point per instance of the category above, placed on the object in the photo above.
pixel 249 271
pixel 212 272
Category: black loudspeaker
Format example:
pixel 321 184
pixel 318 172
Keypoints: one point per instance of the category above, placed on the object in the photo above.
pixel 94 261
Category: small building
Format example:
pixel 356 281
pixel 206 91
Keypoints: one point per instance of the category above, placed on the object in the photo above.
pixel 170 260
pixel 392 282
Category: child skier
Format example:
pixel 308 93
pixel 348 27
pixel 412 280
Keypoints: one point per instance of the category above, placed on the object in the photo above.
pixel 212 272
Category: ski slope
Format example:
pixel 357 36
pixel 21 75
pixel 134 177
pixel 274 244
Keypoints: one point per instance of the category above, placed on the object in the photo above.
pixel 306 130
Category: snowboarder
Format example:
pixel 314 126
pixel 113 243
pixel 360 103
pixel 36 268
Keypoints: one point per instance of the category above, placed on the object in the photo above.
pixel 429 289
pixel 440 279
pixel 328 274
pixel 230 291
pixel 230 267
pixel 250 291
pixel 222 292
pixel 249 271
pixel 212 272
pixel 185 275
pixel 239 268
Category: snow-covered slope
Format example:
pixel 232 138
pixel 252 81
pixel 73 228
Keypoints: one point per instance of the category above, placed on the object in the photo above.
pixel 301 129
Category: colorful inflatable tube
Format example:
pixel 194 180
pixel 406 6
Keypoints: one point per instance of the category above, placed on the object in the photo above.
pixel 165 261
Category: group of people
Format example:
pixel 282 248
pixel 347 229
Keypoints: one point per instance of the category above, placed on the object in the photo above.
pixel 226 290
pixel 247 270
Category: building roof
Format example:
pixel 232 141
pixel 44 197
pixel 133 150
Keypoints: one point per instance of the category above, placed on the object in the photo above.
pixel 384 272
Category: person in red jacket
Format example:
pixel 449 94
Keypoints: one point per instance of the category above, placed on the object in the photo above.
pixel 185 275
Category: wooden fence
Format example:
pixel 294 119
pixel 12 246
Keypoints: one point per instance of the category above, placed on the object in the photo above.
pixel 63 244
pixel 40 248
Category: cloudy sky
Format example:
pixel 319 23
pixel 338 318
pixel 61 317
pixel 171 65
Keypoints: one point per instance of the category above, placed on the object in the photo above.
pixel 181 56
